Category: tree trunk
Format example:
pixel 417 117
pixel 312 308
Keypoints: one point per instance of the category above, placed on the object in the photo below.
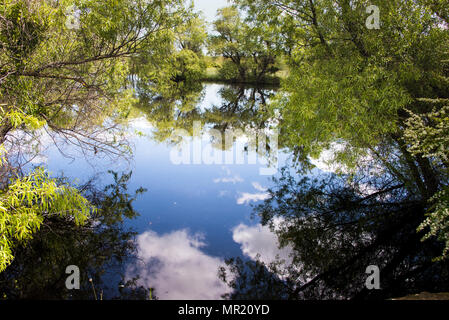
pixel 4 129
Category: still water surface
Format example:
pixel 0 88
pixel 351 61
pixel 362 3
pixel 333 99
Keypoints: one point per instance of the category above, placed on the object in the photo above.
pixel 193 216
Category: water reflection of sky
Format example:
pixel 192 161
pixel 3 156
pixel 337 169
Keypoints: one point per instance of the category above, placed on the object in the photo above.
pixel 191 218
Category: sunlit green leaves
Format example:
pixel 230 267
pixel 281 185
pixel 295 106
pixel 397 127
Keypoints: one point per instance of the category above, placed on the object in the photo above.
pixel 249 49
pixel 98 244
pixel 339 100
pixel 78 76
pixel 381 93
pixel 27 201
pixel 437 222
pixel 17 118
pixel 428 135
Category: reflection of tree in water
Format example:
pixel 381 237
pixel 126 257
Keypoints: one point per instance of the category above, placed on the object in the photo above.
pixel 256 280
pixel 98 248
pixel 337 227
pixel 167 113
pixel 241 108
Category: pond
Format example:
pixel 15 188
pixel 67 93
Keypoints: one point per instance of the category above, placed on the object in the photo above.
pixel 193 215
pixel 128 172
pixel 206 204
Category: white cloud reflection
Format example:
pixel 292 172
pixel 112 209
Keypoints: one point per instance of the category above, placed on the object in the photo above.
pixel 245 197
pixel 229 178
pixel 175 266
pixel 258 187
pixel 260 240
pixel 235 179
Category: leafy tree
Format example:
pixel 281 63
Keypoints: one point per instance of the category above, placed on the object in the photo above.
pixel 352 86
pixel 64 76
pixel 336 226
pixel 428 135
pixel 98 247
pixel 192 35
pixel 28 201
pixel 65 68
pixel 381 95
pixel 179 67
pixel 248 49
